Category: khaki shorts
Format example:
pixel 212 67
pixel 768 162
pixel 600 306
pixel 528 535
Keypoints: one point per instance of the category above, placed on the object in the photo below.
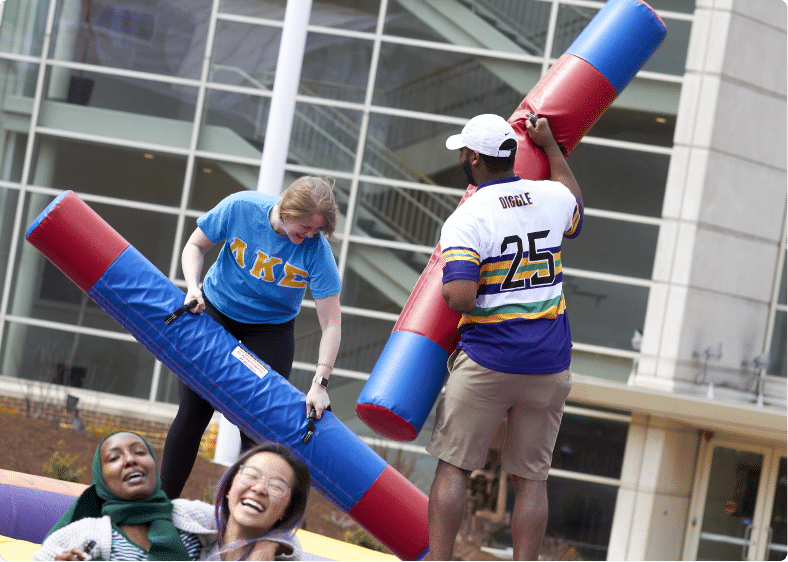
pixel 478 399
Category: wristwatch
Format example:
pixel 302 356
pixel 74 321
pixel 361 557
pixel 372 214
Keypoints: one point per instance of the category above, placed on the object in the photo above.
pixel 321 381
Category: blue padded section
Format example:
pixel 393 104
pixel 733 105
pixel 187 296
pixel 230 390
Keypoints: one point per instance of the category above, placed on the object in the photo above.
pixel 619 40
pixel 251 395
pixel 407 377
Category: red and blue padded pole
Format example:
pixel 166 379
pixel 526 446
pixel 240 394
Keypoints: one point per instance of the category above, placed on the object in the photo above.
pixel 572 95
pixel 236 382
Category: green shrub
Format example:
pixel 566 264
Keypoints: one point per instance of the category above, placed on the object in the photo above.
pixel 61 466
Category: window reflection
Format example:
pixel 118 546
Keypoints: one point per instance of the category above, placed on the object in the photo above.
pixel 580 520
pixel 777 354
pixel 625 181
pixel 114 171
pixel 590 445
pixel 380 279
pixel 507 26
pixel 23 26
pixel 612 246
pixel 47 356
pixel 363 340
pixel 125 97
pixel 402 214
pixel 429 80
pixel 325 137
pixel 604 313
pixel 162 38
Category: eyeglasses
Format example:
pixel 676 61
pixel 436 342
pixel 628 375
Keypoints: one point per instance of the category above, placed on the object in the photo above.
pixel 250 476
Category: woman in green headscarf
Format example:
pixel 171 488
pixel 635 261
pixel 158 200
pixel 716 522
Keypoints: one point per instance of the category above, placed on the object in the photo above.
pixel 126 515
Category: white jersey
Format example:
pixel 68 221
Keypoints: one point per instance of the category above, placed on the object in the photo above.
pixel 507 236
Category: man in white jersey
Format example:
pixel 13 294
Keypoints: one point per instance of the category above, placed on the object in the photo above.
pixel 503 272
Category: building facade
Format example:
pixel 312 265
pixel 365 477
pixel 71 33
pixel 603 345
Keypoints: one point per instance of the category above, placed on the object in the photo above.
pixel 673 445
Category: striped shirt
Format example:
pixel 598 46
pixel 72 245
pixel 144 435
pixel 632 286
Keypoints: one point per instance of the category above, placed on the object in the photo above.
pixel 507 237
pixel 124 549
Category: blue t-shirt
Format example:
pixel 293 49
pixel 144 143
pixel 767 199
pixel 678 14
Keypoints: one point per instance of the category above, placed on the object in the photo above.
pixel 261 277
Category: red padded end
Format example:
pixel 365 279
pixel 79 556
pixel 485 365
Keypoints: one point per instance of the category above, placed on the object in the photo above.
pixel 425 312
pixel 572 95
pixel 394 511
pixel 385 422
pixel 78 241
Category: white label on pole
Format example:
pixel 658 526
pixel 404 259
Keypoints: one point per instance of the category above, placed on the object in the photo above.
pixel 254 364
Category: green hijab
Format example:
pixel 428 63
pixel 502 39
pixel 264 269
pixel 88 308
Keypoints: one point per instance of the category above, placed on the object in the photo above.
pixel 97 500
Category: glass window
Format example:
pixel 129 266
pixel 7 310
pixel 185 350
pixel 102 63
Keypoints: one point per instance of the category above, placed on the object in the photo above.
pixel 162 37
pixel 336 67
pixel 500 26
pixel 8 202
pixel 612 246
pixel 22 27
pixel 100 169
pixel 119 107
pixel 234 123
pixel 445 83
pixel 52 296
pixel 579 523
pixel 590 445
pixel 213 180
pixel 629 125
pixel 781 294
pixel 17 79
pixel 267 9
pixel 363 339
pixel 324 137
pixel 601 366
pixel 777 538
pixel 358 15
pixel 669 58
pixel 777 352
pixel 13 152
pixel 380 279
pixel 581 518
pixel 615 179
pixel 169 390
pixel 124 94
pixel 402 214
pixel 410 149
pixel 673 5
pixel 54 357
pixel 604 313
pixel 245 54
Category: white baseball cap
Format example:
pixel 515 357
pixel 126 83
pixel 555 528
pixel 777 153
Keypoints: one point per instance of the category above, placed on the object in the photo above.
pixel 484 134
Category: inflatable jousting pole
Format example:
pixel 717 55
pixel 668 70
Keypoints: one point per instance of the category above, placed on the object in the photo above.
pixel 235 381
pixel 572 95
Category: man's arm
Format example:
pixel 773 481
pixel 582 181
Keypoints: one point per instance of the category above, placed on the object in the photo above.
pixel 542 136
pixel 460 294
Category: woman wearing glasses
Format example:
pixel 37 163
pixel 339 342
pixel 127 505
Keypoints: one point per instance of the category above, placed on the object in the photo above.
pixel 260 503
pixel 124 515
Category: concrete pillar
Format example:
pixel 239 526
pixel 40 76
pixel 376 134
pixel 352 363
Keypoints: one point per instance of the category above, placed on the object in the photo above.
pixel 656 483
pixel 724 207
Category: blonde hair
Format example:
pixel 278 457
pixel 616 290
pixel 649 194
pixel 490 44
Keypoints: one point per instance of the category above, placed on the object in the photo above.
pixel 308 196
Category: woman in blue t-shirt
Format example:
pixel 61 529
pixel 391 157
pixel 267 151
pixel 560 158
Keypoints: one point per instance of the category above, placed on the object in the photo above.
pixel 272 248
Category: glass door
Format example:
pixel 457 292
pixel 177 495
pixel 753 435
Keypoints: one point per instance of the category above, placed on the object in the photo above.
pixel 738 510
pixel 774 535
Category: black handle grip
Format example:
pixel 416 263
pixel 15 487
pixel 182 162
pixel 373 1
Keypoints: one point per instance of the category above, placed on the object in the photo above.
pixel 310 427
pixel 172 317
